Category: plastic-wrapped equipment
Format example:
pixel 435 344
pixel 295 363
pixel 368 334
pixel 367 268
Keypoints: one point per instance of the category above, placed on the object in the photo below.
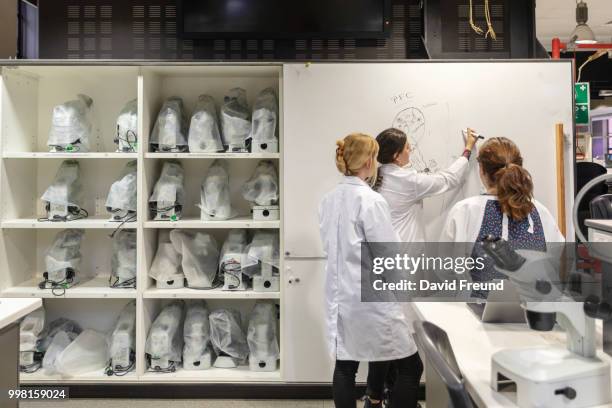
pixel 30 330
pixel 71 126
pixel 227 337
pixel 215 202
pixel 230 261
pixel 204 135
pixel 165 341
pixel 63 198
pixel 86 354
pixel 199 257
pixel 127 128
pixel 121 199
pixel 123 341
pixel 262 187
pixel 123 261
pixel 235 120
pixel 58 325
pixel 169 132
pixel 265 119
pixel 262 337
pixel 168 196
pixel 197 352
pixel 263 249
pixel 63 258
pixel 60 341
pixel 166 267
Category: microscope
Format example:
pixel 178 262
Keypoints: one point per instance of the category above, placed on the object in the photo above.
pixel 123 342
pixel 263 192
pixel 548 376
pixel 30 329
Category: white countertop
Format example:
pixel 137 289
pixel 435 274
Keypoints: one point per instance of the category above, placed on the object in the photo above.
pixel 605 225
pixel 474 343
pixel 14 309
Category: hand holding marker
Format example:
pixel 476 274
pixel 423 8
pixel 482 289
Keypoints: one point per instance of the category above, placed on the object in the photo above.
pixel 471 138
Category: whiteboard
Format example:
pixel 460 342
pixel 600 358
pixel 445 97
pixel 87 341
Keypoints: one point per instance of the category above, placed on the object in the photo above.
pixel 432 101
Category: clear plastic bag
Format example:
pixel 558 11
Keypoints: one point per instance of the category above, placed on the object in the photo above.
pixel 204 135
pixel 71 125
pixel 165 339
pixel 226 334
pixel 64 253
pixel 262 334
pixel 66 189
pixel 123 337
pixel 127 127
pixel 30 329
pixel 199 255
pixel 235 119
pixel 215 201
pixel 60 341
pixel 123 261
pixel 170 187
pixel 122 194
pixel 265 118
pixel 263 249
pixel 232 252
pixel 169 132
pixel 87 353
pixel 262 187
pixel 167 261
pixel 196 331
pixel 62 324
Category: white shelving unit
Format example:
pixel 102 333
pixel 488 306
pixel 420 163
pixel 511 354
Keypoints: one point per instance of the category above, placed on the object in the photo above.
pixel 28 94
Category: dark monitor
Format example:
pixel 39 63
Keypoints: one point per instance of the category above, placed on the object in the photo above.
pixel 284 18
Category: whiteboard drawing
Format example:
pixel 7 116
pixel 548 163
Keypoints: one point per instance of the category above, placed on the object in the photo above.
pixel 412 122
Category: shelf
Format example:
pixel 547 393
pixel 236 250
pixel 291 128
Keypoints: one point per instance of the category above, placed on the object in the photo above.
pixel 93 288
pixel 240 374
pixel 192 222
pixel 260 156
pixel 39 377
pixel 187 293
pixel 85 223
pixel 90 155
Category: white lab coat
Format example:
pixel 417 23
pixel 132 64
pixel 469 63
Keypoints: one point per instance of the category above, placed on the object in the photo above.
pixel 465 219
pixel 404 189
pixel 360 331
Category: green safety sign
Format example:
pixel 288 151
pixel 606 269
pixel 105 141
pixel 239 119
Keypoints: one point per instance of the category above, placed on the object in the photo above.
pixel 583 102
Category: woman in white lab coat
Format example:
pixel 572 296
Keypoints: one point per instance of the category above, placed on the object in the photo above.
pixel 376 332
pixel 404 188
pixel 507 210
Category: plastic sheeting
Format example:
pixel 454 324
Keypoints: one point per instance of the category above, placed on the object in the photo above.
pixel 60 341
pixel 170 187
pixel 262 334
pixel 124 333
pixel 265 118
pixel 263 249
pixel 215 201
pixel 167 261
pixel 56 326
pixel 235 119
pixel 64 253
pixel 226 334
pixel 204 135
pixel 199 256
pixel 165 339
pixel 66 189
pixel 71 125
pixel 87 353
pixel 196 330
pixel 169 132
pixel 123 261
pixel 127 126
pixel 122 194
pixel 30 329
pixel 262 187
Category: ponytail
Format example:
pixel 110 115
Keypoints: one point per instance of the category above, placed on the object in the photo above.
pixel 514 191
pixel 502 164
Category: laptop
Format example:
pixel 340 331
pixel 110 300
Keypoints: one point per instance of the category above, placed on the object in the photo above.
pixel 501 306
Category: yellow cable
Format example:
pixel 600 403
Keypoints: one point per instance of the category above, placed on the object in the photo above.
pixel 490 30
pixel 476 29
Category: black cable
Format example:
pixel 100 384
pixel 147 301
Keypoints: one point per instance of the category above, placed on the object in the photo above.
pixel 56 285
pixel 126 284
pixel 30 368
pixel 118 371
pixel 170 369
pixel 58 148
pixel 80 214
pixel 128 219
pixel 128 141
pixel 233 272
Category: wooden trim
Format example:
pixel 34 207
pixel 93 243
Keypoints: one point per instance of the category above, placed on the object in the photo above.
pixel 560 144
